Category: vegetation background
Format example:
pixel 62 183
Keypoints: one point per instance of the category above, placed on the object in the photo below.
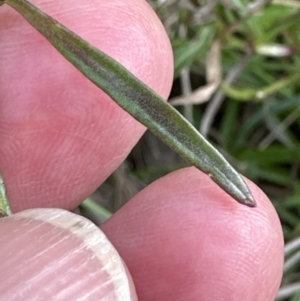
pixel 237 75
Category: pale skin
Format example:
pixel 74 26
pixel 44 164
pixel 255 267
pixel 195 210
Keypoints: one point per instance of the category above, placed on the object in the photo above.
pixel 182 237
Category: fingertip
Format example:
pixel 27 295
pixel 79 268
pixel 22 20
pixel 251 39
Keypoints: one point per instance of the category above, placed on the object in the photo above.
pixel 197 243
pixel 61 136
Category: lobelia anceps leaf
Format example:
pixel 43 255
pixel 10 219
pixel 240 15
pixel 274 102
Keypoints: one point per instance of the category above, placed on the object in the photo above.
pixel 138 100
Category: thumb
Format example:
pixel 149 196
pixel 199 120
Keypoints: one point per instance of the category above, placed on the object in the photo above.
pixel 51 254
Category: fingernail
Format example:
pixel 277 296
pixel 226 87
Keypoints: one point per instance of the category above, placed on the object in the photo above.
pixel 52 254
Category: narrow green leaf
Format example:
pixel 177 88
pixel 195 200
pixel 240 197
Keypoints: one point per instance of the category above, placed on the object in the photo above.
pixel 239 94
pixel 185 51
pixel 251 94
pixel 138 100
pixel 5 208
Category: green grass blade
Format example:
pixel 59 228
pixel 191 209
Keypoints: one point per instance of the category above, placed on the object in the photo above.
pixel 138 100
pixel 5 208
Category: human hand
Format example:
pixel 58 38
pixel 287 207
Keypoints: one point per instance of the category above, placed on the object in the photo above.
pixel 182 237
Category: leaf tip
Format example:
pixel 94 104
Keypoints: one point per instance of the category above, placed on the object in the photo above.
pixel 249 201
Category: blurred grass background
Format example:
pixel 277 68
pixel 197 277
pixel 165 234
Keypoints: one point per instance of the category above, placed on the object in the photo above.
pixel 237 75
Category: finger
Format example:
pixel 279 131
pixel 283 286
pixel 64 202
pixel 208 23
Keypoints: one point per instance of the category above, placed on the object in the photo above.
pixel 55 255
pixel 183 238
pixel 60 135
